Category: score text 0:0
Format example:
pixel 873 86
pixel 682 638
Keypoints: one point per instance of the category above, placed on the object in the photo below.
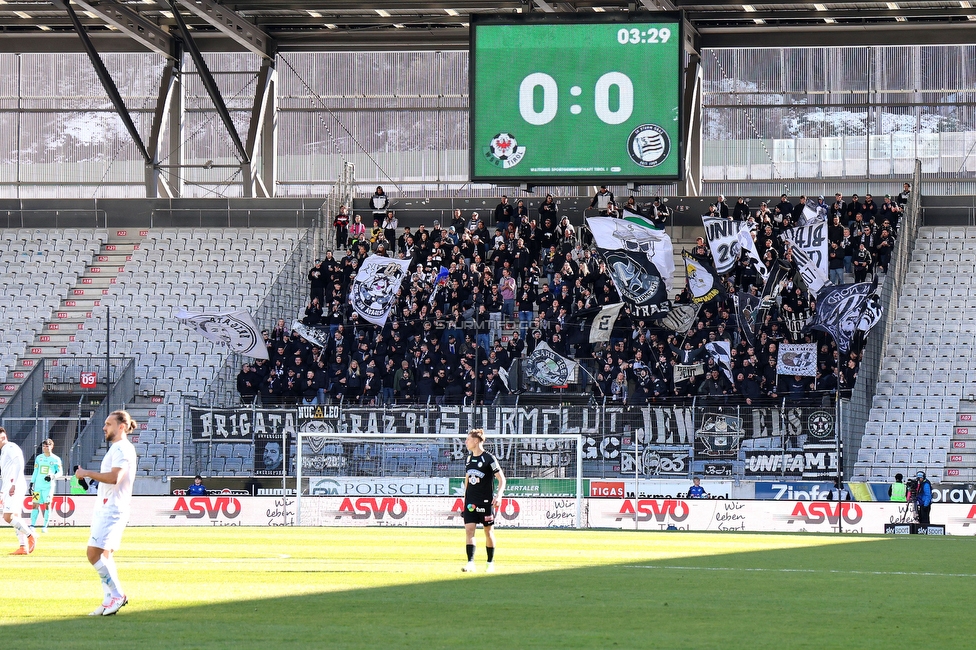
pixel 652 35
pixel 601 98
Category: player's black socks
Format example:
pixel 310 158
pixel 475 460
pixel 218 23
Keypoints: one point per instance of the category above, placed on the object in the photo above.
pixel 491 553
pixel 469 548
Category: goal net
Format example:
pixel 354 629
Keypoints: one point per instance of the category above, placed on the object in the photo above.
pixel 418 479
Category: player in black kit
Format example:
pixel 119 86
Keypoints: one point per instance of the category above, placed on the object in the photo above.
pixel 480 499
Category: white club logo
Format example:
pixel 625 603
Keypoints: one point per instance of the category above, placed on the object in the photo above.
pixel 649 145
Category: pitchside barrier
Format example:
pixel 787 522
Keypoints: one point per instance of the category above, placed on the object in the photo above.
pixel 527 512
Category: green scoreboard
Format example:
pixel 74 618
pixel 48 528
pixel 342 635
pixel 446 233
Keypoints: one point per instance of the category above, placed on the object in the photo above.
pixel 591 100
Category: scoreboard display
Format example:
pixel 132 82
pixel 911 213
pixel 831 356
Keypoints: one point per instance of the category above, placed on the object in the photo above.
pixel 576 100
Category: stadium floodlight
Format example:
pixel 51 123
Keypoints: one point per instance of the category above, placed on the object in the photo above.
pixel 417 479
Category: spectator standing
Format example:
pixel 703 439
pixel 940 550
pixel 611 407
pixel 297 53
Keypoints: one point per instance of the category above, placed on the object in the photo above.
pixel 341 225
pixel 390 224
pixel 601 200
pixel 379 203
pixel 504 214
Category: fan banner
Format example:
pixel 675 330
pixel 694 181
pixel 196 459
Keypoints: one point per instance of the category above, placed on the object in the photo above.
pixel 374 291
pixel 846 310
pixel 598 322
pixel 797 359
pixel 809 249
pixel 635 235
pixel 233 329
pixel 636 278
pixel 547 368
pixel 315 337
pixel 723 240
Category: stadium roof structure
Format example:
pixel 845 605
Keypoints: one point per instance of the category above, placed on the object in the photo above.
pixel 265 27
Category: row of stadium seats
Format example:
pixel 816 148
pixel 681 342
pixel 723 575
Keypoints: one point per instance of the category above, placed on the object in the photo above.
pixel 947 232
pixel 927 389
pixel 916 403
pixel 917 457
pixel 914 429
pixel 885 441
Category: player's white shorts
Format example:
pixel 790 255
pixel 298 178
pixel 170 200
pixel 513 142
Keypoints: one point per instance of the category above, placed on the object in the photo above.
pixel 13 504
pixel 107 528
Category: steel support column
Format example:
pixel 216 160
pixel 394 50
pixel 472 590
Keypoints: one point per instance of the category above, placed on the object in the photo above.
pixel 209 83
pixel 167 120
pixel 691 185
pixel 109 84
pixel 262 135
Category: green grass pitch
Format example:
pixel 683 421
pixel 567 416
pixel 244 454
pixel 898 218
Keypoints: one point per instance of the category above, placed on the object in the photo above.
pixel 245 588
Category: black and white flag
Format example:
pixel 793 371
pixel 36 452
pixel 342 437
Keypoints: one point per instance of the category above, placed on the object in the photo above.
pixel 809 250
pixel 598 322
pixel 723 240
pixel 747 315
pixel 703 282
pixel 679 318
pixel 847 310
pixel 315 337
pixel 636 234
pixel 374 290
pixel 547 368
pixel 749 246
pixel 233 329
pixel 635 277
pixel 797 359
pixel 813 213
pixel 721 353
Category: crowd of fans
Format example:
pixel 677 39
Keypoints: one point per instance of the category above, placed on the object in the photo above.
pixel 519 282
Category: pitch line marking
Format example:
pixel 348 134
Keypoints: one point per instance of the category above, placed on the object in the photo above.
pixel 851 572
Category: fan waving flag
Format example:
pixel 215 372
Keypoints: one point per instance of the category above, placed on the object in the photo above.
pixel 636 278
pixel 703 281
pixel 374 291
pixel 847 311
pixel 546 367
pixel 439 282
pixel 233 329
pixel 598 321
pixel 314 337
pixel 723 240
pixel 635 235
pixel 808 246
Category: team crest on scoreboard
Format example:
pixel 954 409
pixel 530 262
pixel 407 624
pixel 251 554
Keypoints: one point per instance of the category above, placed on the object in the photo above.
pixel 504 151
pixel 649 145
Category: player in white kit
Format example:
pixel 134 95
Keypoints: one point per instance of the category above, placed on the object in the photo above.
pixel 13 491
pixel 115 478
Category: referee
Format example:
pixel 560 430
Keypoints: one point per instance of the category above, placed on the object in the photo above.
pixel 480 499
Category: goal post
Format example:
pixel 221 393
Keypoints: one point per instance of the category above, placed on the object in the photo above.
pixel 357 479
